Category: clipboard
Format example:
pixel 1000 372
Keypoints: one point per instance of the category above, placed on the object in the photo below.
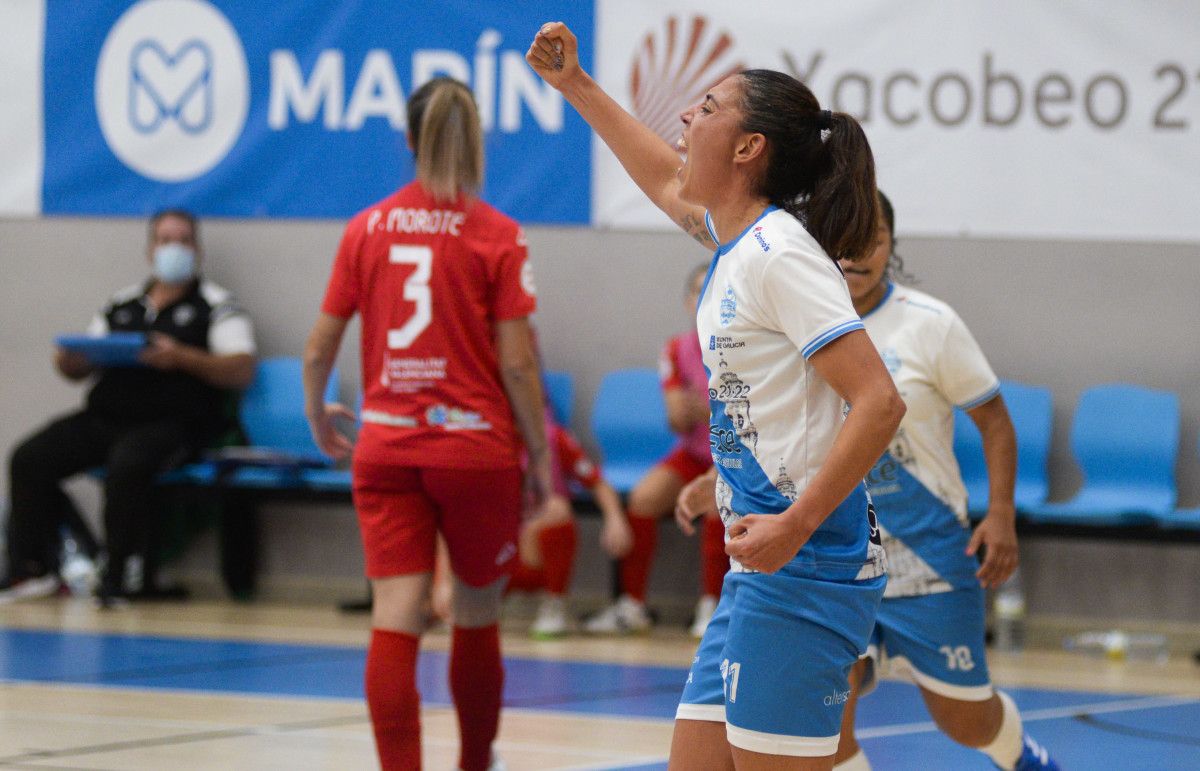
pixel 117 349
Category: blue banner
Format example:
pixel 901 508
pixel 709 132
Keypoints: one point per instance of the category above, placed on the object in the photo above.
pixel 296 109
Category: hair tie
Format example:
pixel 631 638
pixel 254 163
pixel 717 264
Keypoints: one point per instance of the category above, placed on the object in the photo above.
pixel 824 120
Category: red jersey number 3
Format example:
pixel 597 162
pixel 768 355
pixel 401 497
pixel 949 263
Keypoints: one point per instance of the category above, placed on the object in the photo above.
pixel 416 291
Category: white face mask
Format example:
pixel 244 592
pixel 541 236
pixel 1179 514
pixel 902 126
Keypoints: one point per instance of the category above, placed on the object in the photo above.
pixel 174 263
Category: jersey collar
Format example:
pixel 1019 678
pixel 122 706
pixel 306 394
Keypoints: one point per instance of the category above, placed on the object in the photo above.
pixel 891 287
pixel 728 245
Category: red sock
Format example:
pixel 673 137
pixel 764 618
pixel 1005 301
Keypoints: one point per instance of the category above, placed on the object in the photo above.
pixel 714 562
pixel 558 543
pixel 526 579
pixel 635 568
pixel 395 705
pixel 476 681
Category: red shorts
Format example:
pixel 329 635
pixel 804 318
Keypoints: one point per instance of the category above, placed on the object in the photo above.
pixel 401 509
pixel 686 465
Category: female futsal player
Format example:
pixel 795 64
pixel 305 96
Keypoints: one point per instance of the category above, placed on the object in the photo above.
pixel 779 187
pixel 441 281
pixel 685 392
pixel 931 622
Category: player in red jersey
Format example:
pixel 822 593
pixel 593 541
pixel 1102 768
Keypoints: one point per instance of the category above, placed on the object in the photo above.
pixel 549 537
pixel 451 387
pixel 685 392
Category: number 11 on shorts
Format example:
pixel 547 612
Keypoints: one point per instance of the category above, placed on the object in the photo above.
pixel 729 678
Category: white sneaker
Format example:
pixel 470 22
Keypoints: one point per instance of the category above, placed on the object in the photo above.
pixel 622 617
pixel 30 589
pixel 704 613
pixel 552 620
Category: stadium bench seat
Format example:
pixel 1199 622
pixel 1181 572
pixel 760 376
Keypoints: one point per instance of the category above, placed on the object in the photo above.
pixel 629 422
pixel 560 391
pixel 1180 519
pixel 1124 439
pixel 1032 411
pixel 272 415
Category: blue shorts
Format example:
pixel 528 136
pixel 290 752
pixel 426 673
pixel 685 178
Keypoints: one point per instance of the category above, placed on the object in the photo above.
pixel 774 661
pixel 937 640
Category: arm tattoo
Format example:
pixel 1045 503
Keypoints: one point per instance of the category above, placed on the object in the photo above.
pixel 697 230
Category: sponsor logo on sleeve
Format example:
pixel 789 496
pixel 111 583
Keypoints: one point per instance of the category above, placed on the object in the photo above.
pixel 527 282
pixel 758 236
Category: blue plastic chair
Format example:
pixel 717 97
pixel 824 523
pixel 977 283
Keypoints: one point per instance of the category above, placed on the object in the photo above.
pixel 560 391
pixel 1032 411
pixel 1125 439
pixel 629 422
pixel 272 415
pixel 1180 519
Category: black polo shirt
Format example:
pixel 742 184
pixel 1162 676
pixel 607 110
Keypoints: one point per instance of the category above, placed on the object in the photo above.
pixel 205 317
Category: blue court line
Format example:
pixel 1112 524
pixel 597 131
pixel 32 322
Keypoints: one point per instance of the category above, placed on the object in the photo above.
pixel 1118 730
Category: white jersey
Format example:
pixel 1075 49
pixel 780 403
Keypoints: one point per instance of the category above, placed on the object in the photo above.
pixel 772 299
pixel 917 488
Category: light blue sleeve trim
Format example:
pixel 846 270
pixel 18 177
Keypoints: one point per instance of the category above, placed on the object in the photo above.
pixel 828 337
pixel 983 398
pixel 712 233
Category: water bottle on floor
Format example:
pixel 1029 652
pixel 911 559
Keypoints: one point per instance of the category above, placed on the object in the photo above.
pixel 1119 645
pixel 1008 612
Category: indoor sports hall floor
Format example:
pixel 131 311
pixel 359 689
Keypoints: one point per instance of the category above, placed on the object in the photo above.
pixel 220 686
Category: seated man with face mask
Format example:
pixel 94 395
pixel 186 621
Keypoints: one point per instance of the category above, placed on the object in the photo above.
pixel 138 421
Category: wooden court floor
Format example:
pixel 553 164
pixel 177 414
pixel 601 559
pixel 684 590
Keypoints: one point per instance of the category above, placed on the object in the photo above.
pixel 223 686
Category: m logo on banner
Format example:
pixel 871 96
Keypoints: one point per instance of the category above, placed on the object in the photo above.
pixel 172 89
pixel 165 87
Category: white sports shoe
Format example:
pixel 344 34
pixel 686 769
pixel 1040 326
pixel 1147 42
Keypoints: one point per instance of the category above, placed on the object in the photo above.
pixel 622 617
pixel 30 589
pixel 552 619
pixel 704 613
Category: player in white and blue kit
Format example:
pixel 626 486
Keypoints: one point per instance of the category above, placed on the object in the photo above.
pixel 785 354
pixel 931 623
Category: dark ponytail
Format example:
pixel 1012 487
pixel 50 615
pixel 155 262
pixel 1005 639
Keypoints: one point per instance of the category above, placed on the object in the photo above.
pixel 828 183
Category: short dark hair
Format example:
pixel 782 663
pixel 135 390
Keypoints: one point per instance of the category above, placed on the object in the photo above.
pixel 895 266
pixel 889 215
pixel 178 213
pixel 819 164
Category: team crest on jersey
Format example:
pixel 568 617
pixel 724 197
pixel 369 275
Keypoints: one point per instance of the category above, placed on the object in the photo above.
pixel 728 308
pixel 891 360
pixel 183 315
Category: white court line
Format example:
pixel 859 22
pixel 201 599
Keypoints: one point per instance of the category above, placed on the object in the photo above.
pixel 1051 713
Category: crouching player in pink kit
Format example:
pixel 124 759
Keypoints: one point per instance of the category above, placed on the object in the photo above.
pixel 549 536
pixel 685 391
pixel 449 374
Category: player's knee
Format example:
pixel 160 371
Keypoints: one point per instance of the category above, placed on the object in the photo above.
pixel 970 723
pixel 477 606
pixel 399 604
pixel 646 500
